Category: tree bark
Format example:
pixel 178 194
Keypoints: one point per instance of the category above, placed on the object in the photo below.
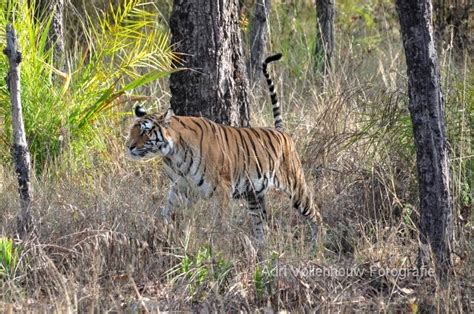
pixel 427 113
pixel 258 38
pixel 54 9
pixel 20 147
pixel 207 35
pixel 325 10
pixel 452 15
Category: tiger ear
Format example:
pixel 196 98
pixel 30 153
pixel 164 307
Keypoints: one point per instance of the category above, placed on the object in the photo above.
pixel 139 111
pixel 168 116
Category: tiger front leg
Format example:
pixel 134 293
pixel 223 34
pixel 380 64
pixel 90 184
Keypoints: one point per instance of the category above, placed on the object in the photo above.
pixel 175 196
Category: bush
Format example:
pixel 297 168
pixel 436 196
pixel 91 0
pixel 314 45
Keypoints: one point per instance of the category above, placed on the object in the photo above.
pixel 125 49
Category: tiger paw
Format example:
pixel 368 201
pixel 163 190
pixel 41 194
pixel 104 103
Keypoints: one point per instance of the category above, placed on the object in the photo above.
pixel 166 215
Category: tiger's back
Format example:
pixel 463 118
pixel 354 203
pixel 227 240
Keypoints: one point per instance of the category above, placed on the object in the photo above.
pixel 237 160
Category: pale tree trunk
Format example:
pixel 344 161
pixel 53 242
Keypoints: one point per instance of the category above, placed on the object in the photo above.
pixel 325 11
pixel 20 147
pixel 258 39
pixel 427 113
pixel 207 35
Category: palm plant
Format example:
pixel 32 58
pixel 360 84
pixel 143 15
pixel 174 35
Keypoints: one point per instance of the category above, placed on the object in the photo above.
pixel 124 48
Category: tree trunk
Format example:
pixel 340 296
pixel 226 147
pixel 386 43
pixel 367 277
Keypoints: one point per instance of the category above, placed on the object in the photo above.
pixel 258 34
pixel 54 9
pixel 207 34
pixel 325 10
pixel 20 148
pixel 451 23
pixel 427 113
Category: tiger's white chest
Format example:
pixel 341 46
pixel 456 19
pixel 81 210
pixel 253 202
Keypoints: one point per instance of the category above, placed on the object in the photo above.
pixel 191 180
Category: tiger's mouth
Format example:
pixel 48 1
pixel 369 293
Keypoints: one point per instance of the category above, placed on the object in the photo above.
pixel 141 153
pixel 137 153
pixel 133 154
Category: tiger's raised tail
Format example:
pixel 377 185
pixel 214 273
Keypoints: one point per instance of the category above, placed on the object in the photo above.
pixel 271 87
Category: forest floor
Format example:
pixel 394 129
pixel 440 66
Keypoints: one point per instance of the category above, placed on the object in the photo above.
pixel 101 245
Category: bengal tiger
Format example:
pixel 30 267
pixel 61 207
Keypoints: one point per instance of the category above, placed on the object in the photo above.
pixel 209 159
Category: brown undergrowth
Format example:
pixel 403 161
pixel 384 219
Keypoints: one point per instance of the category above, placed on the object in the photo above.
pixel 100 243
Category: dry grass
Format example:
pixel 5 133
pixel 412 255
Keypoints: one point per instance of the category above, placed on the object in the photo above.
pixel 100 244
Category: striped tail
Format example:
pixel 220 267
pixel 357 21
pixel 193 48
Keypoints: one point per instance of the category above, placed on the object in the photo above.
pixel 275 104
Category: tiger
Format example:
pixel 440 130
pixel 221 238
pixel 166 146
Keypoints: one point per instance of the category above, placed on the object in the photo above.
pixel 211 159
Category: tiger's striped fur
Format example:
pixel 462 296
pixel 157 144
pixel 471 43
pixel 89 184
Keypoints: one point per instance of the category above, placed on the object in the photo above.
pixel 202 156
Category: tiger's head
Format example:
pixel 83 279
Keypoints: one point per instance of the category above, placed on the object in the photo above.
pixel 150 135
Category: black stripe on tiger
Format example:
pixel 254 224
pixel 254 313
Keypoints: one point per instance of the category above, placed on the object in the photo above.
pixel 276 106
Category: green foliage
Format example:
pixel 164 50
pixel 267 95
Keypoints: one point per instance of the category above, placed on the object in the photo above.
pixel 465 194
pixel 259 282
pixel 407 212
pixel 356 13
pixel 294 26
pixel 459 108
pixel 124 49
pixel 202 268
pixel 264 275
pixel 8 257
pixel 363 17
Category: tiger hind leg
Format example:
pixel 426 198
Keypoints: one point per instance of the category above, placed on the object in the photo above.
pixel 257 209
pixel 302 202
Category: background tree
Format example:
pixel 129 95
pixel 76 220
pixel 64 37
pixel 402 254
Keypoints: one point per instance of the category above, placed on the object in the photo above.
pixel 54 10
pixel 207 35
pixel 451 23
pixel 427 113
pixel 258 38
pixel 325 10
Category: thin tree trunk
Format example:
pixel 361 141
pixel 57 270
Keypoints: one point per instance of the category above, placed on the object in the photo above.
pixel 56 34
pixel 325 11
pixel 451 24
pixel 207 34
pixel 427 113
pixel 54 9
pixel 20 148
pixel 258 38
